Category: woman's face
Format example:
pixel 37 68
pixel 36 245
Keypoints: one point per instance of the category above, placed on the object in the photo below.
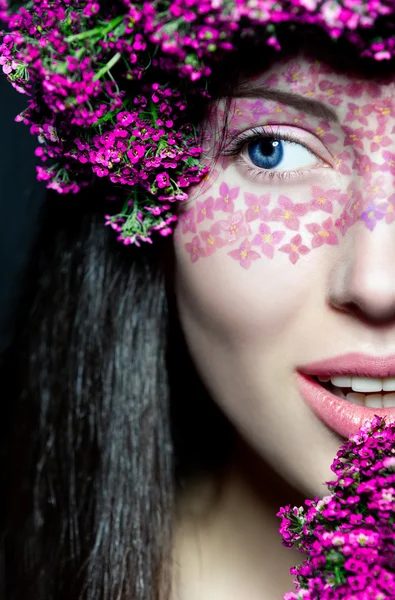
pixel 285 255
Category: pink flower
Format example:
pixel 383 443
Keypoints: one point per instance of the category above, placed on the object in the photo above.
pixel 388 209
pixel 364 166
pixel 342 163
pixel 267 239
pixel 163 180
pixel 256 206
pixel 389 162
pixel 244 254
pixel 354 137
pixel 371 215
pixel 205 209
pixel 324 132
pixel 378 138
pixel 358 113
pixel 235 226
pixel 323 234
pixel 212 239
pixel 344 222
pixel 225 201
pixel 188 220
pixel 195 249
pixel 288 213
pixel 333 93
pixel 322 199
pixel 375 188
pixel 135 153
pixel 295 248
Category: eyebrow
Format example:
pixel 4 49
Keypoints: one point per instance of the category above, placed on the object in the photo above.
pixel 307 105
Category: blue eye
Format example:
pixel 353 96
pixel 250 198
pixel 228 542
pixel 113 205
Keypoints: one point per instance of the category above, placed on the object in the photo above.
pixel 266 153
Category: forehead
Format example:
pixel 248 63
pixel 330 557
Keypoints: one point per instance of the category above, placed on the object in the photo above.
pixel 313 78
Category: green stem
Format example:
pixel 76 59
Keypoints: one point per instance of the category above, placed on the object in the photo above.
pixel 86 34
pixel 108 66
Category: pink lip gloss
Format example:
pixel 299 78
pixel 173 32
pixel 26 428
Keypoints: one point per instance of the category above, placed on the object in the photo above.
pixel 342 416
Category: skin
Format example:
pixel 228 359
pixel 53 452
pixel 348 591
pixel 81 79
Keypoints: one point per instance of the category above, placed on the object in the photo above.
pixel 273 273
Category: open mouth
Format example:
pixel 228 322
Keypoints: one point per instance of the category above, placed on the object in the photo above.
pixel 371 400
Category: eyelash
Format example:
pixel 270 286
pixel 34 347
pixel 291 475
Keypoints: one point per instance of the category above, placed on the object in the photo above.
pixel 238 144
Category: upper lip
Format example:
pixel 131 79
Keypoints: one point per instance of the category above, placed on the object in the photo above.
pixel 352 364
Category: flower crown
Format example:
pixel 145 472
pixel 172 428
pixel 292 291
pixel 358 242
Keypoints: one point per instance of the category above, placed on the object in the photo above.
pixel 103 102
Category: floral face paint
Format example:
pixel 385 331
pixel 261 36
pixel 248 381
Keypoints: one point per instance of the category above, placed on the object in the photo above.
pixel 285 255
pixel 294 175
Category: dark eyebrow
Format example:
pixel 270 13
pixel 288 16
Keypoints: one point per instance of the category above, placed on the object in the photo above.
pixel 307 105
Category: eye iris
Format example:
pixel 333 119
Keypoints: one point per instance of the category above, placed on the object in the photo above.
pixel 266 153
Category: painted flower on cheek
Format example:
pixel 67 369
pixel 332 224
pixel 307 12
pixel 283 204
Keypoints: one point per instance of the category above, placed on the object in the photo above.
pixel 323 234
pixel 371 215
pixel 205 209
pixel 322 199
pixel 288 213
pixel 225 201
pixel 375 188
pixel 344 222
pixel 244 254
pixel 267 239
pixel 388 208
pixel 295 248
pixel 256 206
pixel 389 162
pixel 212 239
pixel 195 249
pixel 235 226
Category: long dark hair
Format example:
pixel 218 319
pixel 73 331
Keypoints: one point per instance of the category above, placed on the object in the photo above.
pixel 103 416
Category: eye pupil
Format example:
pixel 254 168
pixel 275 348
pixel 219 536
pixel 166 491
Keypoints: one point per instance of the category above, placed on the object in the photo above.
pixel 266 153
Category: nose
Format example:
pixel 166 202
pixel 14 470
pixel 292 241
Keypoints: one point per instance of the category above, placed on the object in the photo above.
pixel 362 282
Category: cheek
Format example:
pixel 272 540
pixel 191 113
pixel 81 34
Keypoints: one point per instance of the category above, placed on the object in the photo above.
pixel 228 304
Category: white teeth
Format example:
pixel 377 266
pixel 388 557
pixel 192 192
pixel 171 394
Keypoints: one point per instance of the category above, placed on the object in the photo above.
pixel 362 384
pixel 372 401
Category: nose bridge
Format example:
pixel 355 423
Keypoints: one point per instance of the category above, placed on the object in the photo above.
pixel 365 279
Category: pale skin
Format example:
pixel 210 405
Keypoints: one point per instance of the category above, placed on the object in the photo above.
pixel 277 267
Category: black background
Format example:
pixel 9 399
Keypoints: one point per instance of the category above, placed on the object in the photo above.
pixel 21 197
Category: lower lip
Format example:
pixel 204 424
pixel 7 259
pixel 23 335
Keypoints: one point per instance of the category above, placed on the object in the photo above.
pixel 343 417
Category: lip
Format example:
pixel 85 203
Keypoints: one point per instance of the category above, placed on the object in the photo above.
pixel 354 363
pixel 342 416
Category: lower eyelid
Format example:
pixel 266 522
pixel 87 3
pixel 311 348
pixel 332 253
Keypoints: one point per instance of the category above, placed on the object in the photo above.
pixel 276 173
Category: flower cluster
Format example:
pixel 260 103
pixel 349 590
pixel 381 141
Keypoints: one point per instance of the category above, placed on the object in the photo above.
pixel 348 535
pixel 109 84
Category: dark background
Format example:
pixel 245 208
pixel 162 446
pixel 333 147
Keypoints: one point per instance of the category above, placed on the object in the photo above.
pixel 21 197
